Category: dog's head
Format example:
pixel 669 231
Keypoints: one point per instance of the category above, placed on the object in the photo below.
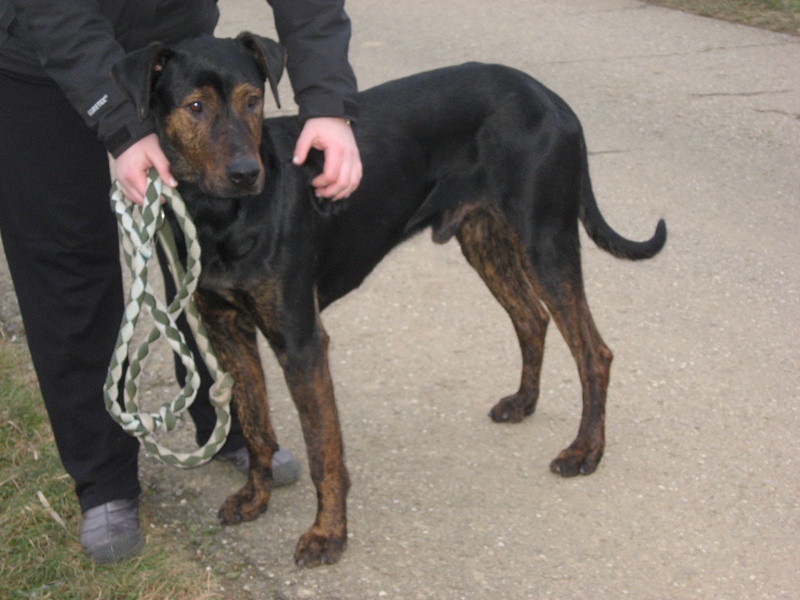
pixel 206 96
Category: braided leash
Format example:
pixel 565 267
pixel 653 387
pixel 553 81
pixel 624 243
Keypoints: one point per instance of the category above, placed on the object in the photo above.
pixel 138 227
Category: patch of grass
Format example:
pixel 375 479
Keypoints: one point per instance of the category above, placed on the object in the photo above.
pixel 776 15
pixel 42 559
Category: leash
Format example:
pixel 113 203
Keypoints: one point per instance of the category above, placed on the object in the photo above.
pixel 138 228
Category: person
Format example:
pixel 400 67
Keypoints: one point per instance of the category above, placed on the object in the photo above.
pixel 60 117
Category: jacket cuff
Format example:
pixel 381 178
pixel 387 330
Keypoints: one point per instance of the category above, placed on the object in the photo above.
pixel 126 136
pixel 319 103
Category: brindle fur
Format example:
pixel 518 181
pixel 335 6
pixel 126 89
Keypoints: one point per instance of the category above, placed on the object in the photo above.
pixel 480 152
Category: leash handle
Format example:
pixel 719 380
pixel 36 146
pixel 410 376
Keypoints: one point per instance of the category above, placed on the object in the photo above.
pixel 139 227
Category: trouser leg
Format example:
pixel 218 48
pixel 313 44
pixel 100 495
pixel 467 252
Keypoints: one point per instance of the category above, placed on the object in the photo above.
pixel 60 240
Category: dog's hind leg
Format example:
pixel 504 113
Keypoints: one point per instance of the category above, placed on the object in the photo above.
pixel 233 336
pixel 557 278
pixel 493 250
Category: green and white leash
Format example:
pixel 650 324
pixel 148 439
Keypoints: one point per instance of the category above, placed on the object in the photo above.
pixel 139 227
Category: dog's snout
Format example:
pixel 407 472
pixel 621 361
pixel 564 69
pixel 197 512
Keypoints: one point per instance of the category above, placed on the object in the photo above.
pixel 243 172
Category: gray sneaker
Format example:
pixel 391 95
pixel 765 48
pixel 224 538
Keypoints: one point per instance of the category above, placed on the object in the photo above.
pixel 110 532
pixel 285 467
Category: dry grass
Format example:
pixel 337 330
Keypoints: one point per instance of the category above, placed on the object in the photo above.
pixel 776 15
pixel 41 555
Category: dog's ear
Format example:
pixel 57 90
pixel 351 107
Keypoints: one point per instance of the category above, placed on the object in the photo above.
pixel 270 59
pixel 137 73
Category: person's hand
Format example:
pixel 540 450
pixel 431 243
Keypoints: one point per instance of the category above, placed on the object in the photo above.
pixel 341 173
pixel 133 163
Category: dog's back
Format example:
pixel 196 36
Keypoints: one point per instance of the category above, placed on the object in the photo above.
pixel 439 144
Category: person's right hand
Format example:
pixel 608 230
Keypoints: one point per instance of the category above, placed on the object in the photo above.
pixel 133 163
pixel 342 170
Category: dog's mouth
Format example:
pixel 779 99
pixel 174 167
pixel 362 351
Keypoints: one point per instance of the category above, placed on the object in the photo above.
pixel 225 188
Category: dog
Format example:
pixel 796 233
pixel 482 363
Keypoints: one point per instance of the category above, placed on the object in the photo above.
pixel 482 153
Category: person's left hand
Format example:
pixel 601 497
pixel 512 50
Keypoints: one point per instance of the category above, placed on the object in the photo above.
pixel 342 171
pixel 132 165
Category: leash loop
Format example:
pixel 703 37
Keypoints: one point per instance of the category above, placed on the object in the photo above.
pixel 139 228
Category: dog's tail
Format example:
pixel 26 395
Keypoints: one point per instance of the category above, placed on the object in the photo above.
pixel 609 240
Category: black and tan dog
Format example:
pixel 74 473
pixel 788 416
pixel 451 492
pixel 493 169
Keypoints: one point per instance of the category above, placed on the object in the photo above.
pixel 482 153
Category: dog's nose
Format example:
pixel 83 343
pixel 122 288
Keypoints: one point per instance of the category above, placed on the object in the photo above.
pixel 243 172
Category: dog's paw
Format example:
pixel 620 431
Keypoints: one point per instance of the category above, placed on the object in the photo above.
pixel 578 459
pixel 245 505
pixel 319 548
pixel 513 409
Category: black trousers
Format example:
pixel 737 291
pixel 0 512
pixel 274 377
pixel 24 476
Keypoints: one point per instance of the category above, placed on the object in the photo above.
pixel 61 243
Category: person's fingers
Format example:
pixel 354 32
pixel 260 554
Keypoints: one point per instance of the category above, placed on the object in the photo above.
pixel 356 175
pixel 132 166
pixel 346 181
pixel 132 180
pixel 351 179
pixel 161 165
pixel 303 146
pixel 331 170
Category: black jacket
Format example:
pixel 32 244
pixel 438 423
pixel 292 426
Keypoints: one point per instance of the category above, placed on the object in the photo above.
pixel 75 43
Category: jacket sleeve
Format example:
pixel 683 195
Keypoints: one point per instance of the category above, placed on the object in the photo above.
pixel 76 47
pixel 7 20
pixel 316 34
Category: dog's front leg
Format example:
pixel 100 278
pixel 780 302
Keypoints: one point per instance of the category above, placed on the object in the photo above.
pixel 233 335
pixel 305 364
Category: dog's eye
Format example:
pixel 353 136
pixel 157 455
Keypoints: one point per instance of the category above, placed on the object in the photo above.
pixel 253 101
pixel 195 107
